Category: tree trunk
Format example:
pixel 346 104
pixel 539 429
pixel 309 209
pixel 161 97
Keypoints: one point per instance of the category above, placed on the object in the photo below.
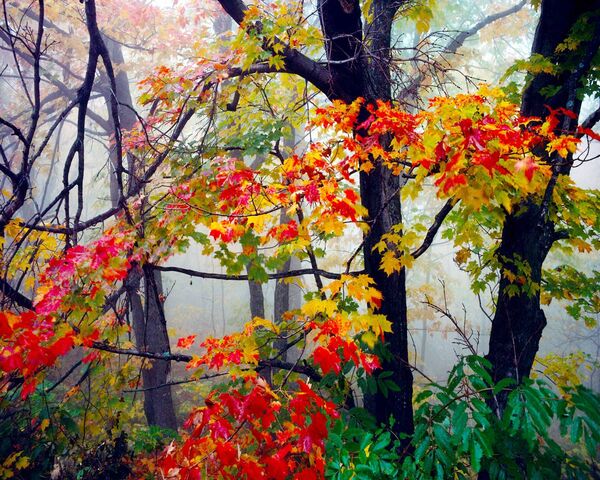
pixel 148 323
pixel 257 297
pixel 528 233
pixel 357 74
pixel 281 297
pixel 150 329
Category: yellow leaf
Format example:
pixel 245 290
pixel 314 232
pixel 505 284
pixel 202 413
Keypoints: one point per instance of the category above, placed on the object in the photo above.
pixel 509 275
pixel 261 322
pixel 462 255
pixel 331 224
pixel 316 306
pixel 22 463
pixel 369 338
pixel 44 424
pixel 390 263
pixel 407 260
pixel 366 166
pixel 29 283
pixel 13 229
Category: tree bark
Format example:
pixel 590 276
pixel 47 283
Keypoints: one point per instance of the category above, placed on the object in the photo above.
pixel 257 297
pixel 528 233
pixel 150 330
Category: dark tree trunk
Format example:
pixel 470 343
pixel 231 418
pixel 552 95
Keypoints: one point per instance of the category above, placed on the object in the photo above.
pixel 380 193
pixel 147 317
pixel 357 74
pixel 528 233
pixel 519 321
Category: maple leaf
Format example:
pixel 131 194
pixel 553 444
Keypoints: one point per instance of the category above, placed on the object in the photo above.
pixel 186 342
pixel 328 361
pixel 227 453
pixel 220 428
pixel 490 161
pixel 61 346
pixel 390 263
pixel 527 166
pixel 563 145
pixel 7 321
pixel 315 433
pixel 316 306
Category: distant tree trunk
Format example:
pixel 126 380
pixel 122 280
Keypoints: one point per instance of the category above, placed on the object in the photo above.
pixel 257 297
pixel 148 319
pixel 528 232
pixel 222 24
pixel 150 330
pixel 281 296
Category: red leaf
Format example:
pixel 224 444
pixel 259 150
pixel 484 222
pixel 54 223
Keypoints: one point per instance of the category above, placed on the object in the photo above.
pixel 327 360
pixel 28 388
pixel 186 342
pixel 61 346
pixel 528 166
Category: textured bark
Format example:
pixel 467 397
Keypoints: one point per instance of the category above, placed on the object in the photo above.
pixel 150 330
pixel 380 194
pixel 341 25
pixel 519 321
pixel 528 233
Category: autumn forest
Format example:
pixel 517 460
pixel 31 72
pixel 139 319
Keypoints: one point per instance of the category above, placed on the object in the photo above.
pixel 299 239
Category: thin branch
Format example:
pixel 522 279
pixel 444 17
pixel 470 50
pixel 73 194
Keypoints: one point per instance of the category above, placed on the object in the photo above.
pixel 592 119
pixel 459 40
pixel 302 368
pixel 7 290
pixel 272 276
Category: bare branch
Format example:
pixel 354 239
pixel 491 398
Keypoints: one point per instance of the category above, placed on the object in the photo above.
pixel 459 40
pixel 7 290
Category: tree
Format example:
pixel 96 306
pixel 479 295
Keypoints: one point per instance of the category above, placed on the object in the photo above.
pixel 530 231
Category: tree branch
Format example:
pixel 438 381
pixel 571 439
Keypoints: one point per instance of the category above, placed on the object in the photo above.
pixel 433 229
pixel 295 62
pixel 459 40
pixel 17 297
pixel 303 368
pixel 272 276
pixel 592 119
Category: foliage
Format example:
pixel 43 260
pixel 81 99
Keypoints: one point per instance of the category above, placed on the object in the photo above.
pixel 459 433
pixel 541 434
